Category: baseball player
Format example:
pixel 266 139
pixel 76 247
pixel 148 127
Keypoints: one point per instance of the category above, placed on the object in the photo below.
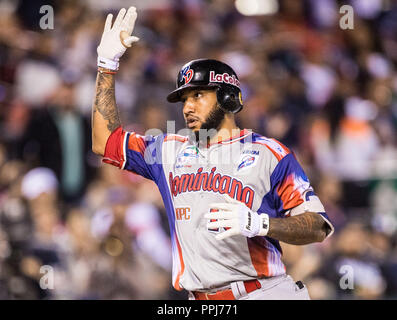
pixel 230 198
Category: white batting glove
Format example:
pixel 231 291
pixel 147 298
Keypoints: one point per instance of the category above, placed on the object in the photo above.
pixel 239 219
pixel 115 40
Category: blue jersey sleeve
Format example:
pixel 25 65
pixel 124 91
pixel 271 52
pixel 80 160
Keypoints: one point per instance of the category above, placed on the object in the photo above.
pixel 139 154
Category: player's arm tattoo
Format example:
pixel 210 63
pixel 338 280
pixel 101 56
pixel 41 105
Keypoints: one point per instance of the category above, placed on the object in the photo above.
pixel 105 100
pixel 301 229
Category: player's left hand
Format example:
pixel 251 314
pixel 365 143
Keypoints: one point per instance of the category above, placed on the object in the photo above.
pixel 117 38
pixel 239 219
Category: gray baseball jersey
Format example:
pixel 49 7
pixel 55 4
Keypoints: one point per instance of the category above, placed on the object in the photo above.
pixel 248 168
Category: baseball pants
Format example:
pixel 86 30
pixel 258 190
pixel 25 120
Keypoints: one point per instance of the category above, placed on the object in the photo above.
pixel 277 288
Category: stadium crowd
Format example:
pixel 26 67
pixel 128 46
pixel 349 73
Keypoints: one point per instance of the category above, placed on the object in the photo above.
pixel 328 94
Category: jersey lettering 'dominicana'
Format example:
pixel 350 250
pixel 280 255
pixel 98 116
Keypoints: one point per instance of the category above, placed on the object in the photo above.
pixel 251 169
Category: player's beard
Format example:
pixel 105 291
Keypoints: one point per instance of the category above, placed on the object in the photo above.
pixel 211 124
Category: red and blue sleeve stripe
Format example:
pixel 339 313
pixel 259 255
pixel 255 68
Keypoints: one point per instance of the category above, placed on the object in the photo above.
pixel 139 154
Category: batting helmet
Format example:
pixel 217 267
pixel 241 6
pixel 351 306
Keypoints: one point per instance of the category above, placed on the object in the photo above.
pixel 209 73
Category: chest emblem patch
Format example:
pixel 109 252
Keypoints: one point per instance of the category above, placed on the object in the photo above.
pixel 187 155
pixel 247 161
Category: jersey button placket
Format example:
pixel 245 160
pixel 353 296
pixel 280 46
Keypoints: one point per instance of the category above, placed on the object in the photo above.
pixel 204 161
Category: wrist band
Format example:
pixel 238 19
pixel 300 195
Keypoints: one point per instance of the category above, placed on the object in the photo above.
pixel 265 224
pixel 105 71
pixel 107 63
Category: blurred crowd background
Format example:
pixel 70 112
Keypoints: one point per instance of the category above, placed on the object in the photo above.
pixel 328 94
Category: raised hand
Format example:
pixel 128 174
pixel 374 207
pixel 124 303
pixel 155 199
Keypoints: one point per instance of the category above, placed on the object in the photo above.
pixel 117 38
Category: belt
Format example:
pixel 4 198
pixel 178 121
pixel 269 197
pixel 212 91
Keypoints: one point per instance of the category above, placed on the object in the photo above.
pixel 227 294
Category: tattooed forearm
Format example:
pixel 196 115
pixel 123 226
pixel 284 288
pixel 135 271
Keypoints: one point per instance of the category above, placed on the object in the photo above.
pixel 299 230
pixel 105 101
pixel 105 115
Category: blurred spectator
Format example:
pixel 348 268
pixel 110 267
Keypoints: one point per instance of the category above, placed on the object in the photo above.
pixel 353 250
pixel 59 138
pixel 127 245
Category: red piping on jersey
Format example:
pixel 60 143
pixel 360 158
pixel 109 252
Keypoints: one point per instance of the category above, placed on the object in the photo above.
pixel 241 135
pixel 275 153
pixel 176 284
pixel 175 137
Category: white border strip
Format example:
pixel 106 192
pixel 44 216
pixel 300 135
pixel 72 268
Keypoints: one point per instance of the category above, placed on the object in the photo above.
pixel 124 150
pixel 329 223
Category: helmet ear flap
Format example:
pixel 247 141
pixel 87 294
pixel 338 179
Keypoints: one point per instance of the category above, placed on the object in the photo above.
pixel 229 100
